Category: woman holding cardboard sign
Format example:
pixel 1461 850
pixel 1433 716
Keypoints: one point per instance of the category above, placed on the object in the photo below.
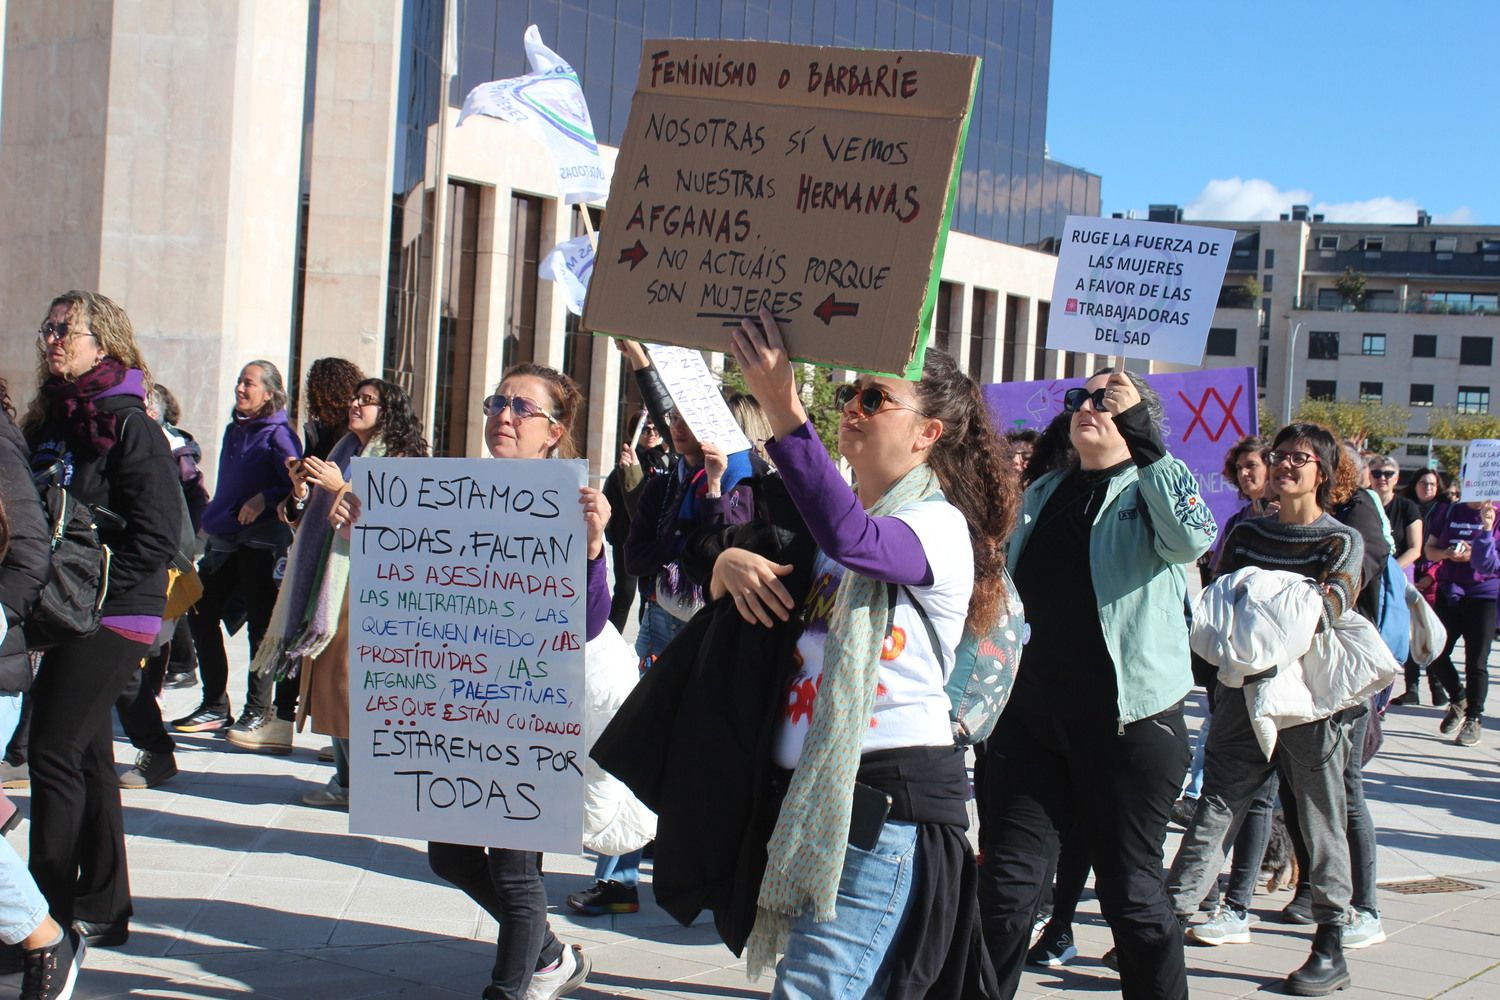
pixel 530 416
pixel 874 787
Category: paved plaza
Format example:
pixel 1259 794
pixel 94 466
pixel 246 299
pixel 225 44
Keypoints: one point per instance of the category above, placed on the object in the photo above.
pixel 239 889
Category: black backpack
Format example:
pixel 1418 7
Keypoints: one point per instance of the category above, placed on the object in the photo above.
pixel 70 603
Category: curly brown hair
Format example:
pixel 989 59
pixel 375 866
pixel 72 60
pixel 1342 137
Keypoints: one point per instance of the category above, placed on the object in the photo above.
pixel 109 324
pixel 974 469
pixel 1248 443
pixel 330 386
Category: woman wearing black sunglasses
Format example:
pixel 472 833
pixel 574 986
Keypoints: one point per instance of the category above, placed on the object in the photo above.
pixel 1093 736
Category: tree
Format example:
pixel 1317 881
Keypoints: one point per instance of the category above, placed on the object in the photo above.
pixel 1269 425
pixel 1451 424
pixel 1369 425
pixel 1351 286
pixel 1252 291
pixel 817 389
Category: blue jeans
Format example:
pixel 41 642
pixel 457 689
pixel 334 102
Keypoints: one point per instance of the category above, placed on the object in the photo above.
pixel 623 868
pixel 847 957
pixel 22 908
pixel 1195 770
pixel 658 628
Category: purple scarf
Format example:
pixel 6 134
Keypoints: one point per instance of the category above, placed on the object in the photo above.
pixel 71 402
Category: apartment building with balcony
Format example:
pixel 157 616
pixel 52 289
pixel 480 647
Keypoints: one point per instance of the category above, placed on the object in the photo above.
pixel 1423 334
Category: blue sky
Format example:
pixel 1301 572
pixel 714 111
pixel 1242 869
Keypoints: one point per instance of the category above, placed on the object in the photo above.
pixel 1365 109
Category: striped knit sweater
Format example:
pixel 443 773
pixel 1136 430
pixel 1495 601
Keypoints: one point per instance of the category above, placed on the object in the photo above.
pixel 1325 550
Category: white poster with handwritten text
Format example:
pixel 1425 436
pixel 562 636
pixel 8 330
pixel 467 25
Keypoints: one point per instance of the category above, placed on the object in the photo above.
pixel 467 606
pixel 1481 471
pixel 695 394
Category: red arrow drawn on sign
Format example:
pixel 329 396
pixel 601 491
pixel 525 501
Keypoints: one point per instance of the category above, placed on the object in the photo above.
pixel 634 254
pixel 830 307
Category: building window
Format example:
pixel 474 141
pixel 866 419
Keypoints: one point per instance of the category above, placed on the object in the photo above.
pixel 1372 392
pixel 1330 300
pixel 1039 356
pixel 1270 261
pixel 1327 243
pixel 1416 451
pixel 521 283
pixel 1475 350
pixel 1424 345
pixel 455 353
pixel 1269 281
pixel 980 309
pixel 1374 345
pixel 1323 345
pixel 1013 305
pixel 1321 388
pixel 1262 366
pixel 1473 399
pixel 1221 342
pixel 578 346
pixel 1421 394
pixel 1445 244
pixel 942 319
pixel 1373 244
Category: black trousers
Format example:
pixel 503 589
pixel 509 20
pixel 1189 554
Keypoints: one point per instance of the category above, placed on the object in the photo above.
pixel 246 574
pixel 508 885
pixel 20 741
pixel 1045 775
pixel 139 712
pixel 624 592
pixel 77 832
pixel 1474 620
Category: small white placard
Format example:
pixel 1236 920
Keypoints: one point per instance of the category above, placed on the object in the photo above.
pixel 1138 289
pixel 1481 471
pixel 695 395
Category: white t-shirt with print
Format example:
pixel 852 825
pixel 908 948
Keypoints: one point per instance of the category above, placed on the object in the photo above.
pixel 911 707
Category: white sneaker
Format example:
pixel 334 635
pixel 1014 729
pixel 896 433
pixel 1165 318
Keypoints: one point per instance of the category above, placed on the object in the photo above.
pixel 1037 929
pixel 331 796
pixel 572 969
pixel 1362 930
pixel 1224 927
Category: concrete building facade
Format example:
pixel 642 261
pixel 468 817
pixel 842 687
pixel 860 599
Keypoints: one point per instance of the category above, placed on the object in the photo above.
pixel 268 179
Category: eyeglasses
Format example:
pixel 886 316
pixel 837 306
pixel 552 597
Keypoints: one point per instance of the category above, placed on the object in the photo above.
pixel 54 333
pixel 363 401
pixel 1073 399
pixel 520 407
pixel 1296 459
pixel 1382 473
pixel 872 399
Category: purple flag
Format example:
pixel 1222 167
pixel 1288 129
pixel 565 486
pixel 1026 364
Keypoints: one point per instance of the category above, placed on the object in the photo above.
pixel 1206 412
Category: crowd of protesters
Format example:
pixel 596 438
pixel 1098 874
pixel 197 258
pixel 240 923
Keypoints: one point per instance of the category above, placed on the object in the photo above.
pixel 821 622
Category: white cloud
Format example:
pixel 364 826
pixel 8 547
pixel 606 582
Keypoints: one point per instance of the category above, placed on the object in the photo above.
pixel 1235 199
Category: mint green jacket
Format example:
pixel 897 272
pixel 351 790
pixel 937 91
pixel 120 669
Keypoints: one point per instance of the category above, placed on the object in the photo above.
pixel 1153 522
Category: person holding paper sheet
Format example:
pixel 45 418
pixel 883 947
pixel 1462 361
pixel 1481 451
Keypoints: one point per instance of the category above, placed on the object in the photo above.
pixel 530 416
pixel 641 458
pixel 1094 732
pixel 875 790
pixel 1426 492
pixel 1463 545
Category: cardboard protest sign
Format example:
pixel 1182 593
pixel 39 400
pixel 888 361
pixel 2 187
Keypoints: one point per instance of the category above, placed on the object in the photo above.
pixel 695 395
pixel 816 182
pixel 1204 414
pixel 467 598
pixel 1481 471
pixel 1138 289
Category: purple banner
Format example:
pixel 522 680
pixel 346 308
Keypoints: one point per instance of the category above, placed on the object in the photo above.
pixel 1206 412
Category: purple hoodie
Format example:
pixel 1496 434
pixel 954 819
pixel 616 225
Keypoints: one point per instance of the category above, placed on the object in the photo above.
pixel 252 460
pixel 1480 576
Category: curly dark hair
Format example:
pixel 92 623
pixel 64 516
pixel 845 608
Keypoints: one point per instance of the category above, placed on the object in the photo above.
pixel 330 385
pixel 397 426
pixel 974 470
pixel 1052 450
pixel 1337 481
pixel 1411 488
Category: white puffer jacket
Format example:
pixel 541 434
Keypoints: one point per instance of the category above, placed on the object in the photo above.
pixel 614 821
pixel 1254 620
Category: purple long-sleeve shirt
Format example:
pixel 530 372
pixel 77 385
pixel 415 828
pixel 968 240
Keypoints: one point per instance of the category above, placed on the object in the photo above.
pixel 881 548
pixel 1479 577
pixel 598 597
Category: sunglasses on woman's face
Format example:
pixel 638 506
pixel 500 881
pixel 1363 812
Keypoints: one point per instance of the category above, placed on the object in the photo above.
pixel 1382 473
pixel 872 399
pixel 1073 399
pixel 520 407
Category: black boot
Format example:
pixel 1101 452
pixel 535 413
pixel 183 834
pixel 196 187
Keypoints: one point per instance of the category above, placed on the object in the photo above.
pixel 1299 910
pixel 1324 971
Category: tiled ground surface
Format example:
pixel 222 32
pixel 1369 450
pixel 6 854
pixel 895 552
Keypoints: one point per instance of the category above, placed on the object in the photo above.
pixel 239 889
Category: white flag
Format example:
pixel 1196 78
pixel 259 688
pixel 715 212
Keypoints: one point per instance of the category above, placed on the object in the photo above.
pixel 548 103
pixel 571 264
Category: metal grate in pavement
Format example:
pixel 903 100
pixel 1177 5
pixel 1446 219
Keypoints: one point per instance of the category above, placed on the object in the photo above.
pixel 1425 886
